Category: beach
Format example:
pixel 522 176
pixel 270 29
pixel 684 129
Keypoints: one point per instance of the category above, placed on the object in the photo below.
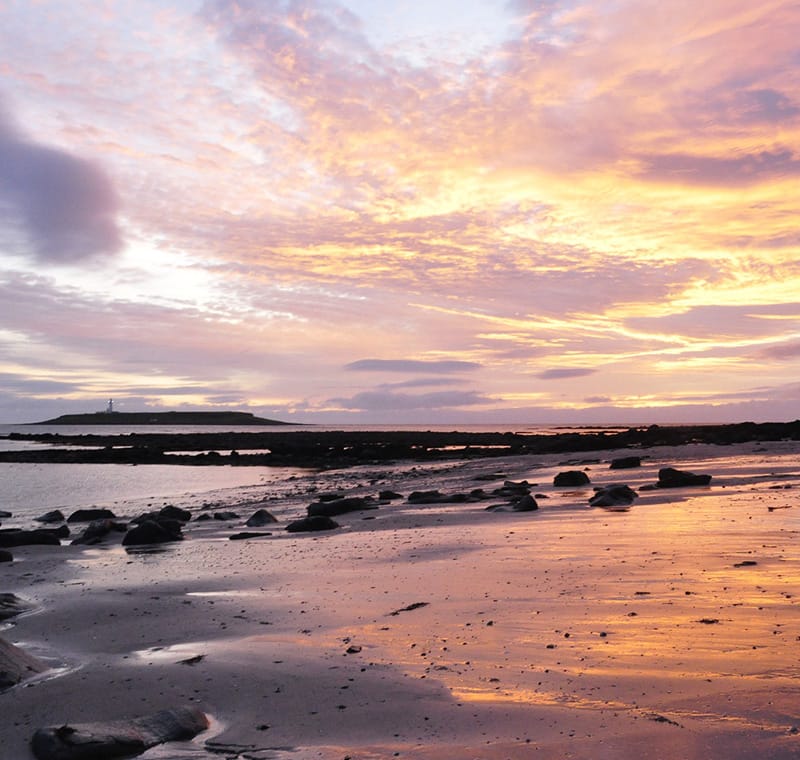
pixel 668 628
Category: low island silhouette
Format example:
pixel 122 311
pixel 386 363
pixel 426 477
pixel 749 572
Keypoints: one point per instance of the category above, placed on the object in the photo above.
pixel 111 417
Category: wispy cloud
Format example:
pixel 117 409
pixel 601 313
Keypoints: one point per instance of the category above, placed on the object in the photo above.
pixel 411 365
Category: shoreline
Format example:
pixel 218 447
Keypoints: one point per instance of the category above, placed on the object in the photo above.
pixel 301 654
pixel 336 449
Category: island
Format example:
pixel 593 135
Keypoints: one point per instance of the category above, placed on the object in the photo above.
pixel 109 417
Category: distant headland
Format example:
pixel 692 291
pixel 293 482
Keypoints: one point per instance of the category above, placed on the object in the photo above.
pixel 108 417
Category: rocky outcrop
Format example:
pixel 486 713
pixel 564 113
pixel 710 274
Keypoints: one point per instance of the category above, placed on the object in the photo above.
pixel 95 741
pixel 571 478
pixel 669 477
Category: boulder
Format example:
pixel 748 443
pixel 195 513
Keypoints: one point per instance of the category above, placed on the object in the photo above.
pixel 6 556
pixel 312 523
pixel 4 514
pixel 571 478
pixel 389 495
pixel 225 515
pixel 613 496
pixel 625 463
pixel 341 506
pixel 97 741
pixel 669 477
pixel 87 515
pixel 152 532
pixel 16 537
pixel 96 531
pixel 245 535
pixel 171 512
pixel 260 518
pixel 54 516
pixel 526 504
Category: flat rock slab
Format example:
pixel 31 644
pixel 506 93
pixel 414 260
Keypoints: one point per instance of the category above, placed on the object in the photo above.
pixel 124 738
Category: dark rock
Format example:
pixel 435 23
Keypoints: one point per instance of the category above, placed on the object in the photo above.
pixel 152 532
pixel 16 665
pixel 526 504
pixel 571 478
pixel 16 537
pixel 11 606
pixel 4 514
pixel 312 523
pixel 671 478
pixel 97 530
pixel 203 517
pixel 172 512
pixel 341 506
pixel 389 495
pixel 260 517
pixel 87 515
pixel 226 516
pixel 6 556
pixel 511 489
pixel 54 516
pixel 98 741
pixel 333 496
pixel 613 496
pixel 425 497
pixel 625 463
pixel 244 535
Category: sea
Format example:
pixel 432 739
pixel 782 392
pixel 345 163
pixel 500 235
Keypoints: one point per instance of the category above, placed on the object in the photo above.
pixel 28 490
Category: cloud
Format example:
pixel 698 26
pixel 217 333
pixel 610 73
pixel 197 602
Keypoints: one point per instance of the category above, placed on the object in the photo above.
pixel 66 205
pixel 781 351
pixel 564 373
pixel 388 401
pixel 411 365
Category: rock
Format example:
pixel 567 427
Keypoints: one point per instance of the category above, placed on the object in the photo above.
pixel 4 514
pixel 259 518
pixel 18 537
pixel 341 506
pixel 87 515
pixel 171 512
pixel 625 463
pixel 389 495
pixel 671 478
pixel 613 496
pixel 226 516
pixel 312 523
pixel 96 531
pixel 512 489
pixel 11 606
pixel 526 504
pixel 54 516
pixel 16 665
pixel 6 556
pixel 244 535
pixel 571 478
pixel 425 497
pixel 152 532
pixel 98 741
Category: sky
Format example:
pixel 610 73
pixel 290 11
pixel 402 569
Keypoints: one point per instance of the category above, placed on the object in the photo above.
pixel 367 212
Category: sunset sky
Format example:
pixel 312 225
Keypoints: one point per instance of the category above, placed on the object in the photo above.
pixel 364 211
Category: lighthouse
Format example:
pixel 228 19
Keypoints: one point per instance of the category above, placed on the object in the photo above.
pixel 110 407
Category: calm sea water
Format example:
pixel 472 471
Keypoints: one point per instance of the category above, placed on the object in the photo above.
pixel 29 490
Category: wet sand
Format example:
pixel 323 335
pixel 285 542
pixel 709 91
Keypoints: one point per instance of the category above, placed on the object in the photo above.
pixel 670 630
